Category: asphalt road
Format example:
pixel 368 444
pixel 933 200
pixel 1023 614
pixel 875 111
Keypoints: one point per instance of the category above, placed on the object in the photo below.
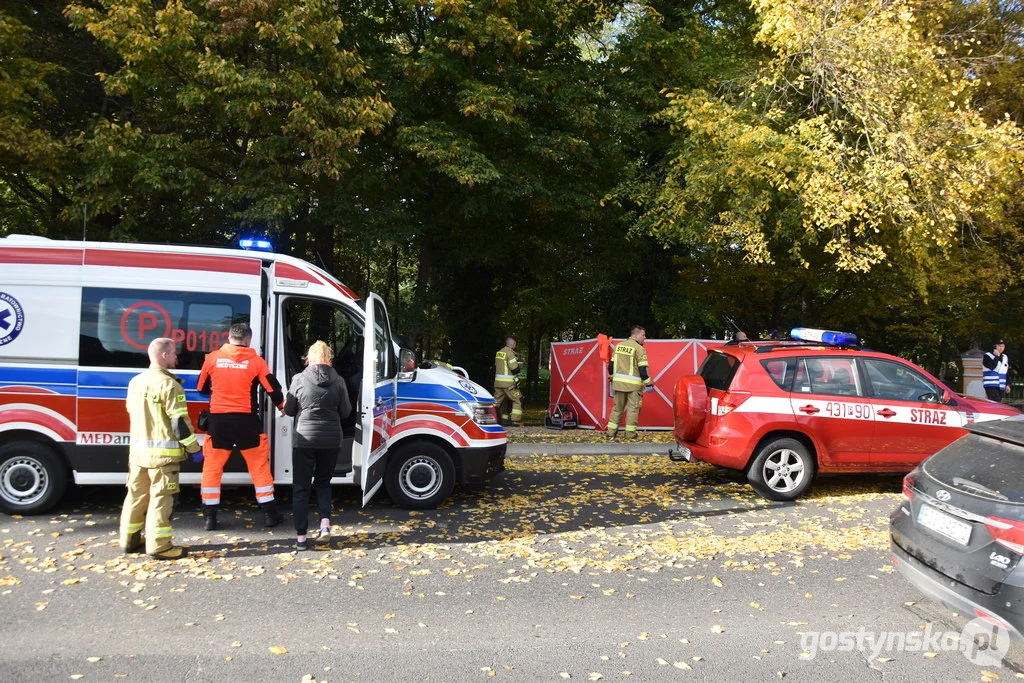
pixel 566 568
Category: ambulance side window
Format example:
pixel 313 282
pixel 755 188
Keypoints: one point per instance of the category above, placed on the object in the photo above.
pixel 308 320
pixel 119 324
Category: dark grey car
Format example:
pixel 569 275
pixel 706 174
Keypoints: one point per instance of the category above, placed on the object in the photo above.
pixel 958 534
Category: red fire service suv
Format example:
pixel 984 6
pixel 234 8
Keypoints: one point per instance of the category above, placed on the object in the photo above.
pixel 785 411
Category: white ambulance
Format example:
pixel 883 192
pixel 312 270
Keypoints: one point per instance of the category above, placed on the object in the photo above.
pixel 76 319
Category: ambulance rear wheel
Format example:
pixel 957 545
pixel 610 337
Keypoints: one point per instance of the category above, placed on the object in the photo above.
pixel 32 478
pixel 782 470
pixel 420 476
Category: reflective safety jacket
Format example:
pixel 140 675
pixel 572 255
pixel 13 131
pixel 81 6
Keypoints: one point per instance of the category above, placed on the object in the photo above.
pixel 231 375
pixel 629 366
pixel 161 431
pixel 506 367
pixel 994 374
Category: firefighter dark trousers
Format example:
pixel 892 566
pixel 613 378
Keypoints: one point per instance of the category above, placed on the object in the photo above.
pixel 147 507
pixel 257 460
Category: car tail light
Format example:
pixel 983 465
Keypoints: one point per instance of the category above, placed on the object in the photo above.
pixel 908 487
pixel 1008 533
pixel 990 618
pixel 731 401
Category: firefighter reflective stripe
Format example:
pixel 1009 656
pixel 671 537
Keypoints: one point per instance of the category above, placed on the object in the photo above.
pixel 210 496
pixel 189 440
pixel 629 379
pixel 630 428
pixel 509 377
pixel 163 531
pixel 157 448
pixel 132 527
pixel 160 445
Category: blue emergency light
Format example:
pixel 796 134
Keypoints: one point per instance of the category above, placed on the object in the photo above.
pixel 255 244
pixel 823 336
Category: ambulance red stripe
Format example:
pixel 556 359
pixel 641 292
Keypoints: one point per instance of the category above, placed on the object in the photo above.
pixel 42 419
pixel 20 389
pixel 35 256
pixel 160 259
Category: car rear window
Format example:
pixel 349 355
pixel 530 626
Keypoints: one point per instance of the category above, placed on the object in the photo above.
pixel 718 370
pixel 981 466
pixel 781 370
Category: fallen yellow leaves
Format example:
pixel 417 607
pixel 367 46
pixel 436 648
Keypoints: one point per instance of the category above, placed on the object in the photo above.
pixel 277 650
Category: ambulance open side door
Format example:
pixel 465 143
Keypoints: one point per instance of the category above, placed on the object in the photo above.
pixel 376 399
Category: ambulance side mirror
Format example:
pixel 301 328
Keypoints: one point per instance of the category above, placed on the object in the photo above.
pixel 406 366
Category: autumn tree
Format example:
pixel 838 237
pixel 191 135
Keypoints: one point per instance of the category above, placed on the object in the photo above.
pixel 855 145
pixel 237 116
pixel 48 97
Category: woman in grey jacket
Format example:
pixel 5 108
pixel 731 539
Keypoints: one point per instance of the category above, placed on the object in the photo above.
pixel 318 399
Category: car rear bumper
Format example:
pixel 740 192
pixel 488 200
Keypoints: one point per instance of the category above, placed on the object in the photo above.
pixel 480 464
pixel 734 457
pixel 961 598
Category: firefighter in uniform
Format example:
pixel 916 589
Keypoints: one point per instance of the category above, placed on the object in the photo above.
pixel 506 380
pixel 231 376
pixel 993 377
pixel 161 435
pixel 629 378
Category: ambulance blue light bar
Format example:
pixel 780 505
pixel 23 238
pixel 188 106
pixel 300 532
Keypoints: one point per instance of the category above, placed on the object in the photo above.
pixel 254 244
pixel 823 336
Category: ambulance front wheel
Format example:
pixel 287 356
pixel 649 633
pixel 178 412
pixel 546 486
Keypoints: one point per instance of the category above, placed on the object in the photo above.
pixel 32 478
pixel 782 470
pixel 420 476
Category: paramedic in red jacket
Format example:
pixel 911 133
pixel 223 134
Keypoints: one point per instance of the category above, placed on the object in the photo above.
pixel 231 376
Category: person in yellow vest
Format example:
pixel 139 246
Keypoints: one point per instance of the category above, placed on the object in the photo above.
pixel 506 380
pixel 629 378
pixel 161 434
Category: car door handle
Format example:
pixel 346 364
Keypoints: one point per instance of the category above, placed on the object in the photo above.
pixel 809 409
pixel 886 412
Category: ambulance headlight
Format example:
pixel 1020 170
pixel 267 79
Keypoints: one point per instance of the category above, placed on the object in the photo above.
pixel 482 413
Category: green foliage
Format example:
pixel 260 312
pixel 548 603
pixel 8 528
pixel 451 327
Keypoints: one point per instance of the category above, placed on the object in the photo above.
pixel 548 168
pixel 239 112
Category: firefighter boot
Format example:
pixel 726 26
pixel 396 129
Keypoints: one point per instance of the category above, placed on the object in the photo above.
pixel 271 517
pixel 210 513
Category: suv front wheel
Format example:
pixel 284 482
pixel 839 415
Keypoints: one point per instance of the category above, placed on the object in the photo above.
pixel 782 470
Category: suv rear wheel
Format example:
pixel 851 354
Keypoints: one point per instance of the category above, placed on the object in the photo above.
pixel 782 470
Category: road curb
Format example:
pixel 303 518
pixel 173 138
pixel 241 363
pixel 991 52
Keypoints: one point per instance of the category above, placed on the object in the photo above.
pixel 610 448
